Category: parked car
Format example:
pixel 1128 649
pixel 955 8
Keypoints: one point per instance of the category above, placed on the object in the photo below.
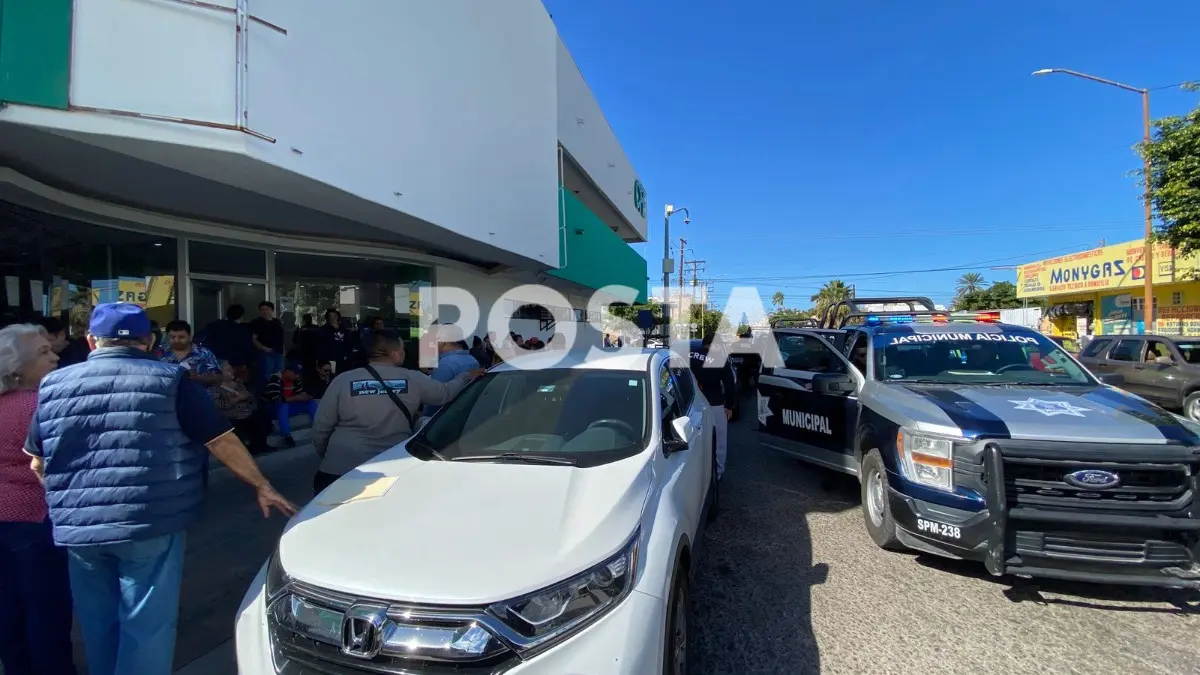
pixel 1159 368
pixel 1069 345
pixel 542 522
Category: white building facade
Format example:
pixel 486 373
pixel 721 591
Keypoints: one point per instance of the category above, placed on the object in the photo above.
pixel 191 155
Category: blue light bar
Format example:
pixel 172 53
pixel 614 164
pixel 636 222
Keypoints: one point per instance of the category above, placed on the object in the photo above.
pixel 873 320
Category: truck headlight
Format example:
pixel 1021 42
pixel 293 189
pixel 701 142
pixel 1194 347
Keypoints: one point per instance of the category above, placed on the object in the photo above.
pixel 926 460
pixel 553 613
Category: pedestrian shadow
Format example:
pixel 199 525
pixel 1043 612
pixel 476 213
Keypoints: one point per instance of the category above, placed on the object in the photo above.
pixel 1108 597
pixel 754 579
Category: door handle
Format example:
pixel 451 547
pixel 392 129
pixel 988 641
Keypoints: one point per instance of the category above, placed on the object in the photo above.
pixel 1139 366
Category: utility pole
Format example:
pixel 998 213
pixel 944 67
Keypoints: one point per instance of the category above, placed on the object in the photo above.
pixel 697 268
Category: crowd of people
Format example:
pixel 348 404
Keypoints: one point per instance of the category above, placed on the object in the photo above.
pixel 103 465
pixel 105 446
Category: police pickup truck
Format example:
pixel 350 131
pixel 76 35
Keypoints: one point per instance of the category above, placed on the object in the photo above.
pixel 984 441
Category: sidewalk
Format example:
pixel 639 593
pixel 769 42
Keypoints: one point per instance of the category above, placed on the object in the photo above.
pixel 226 549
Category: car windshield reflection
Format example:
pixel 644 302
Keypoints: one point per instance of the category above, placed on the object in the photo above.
pixel 1032 361
pixel 586 416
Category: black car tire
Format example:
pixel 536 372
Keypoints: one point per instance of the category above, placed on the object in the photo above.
pixel 877 512
pixel 677 645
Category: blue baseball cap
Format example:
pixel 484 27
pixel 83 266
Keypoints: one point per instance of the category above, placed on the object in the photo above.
pixel 119 320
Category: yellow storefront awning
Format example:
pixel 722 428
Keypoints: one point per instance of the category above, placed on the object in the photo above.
pixel 1108 268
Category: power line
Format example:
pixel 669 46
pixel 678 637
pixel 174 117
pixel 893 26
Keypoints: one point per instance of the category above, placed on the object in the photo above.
pixel 993 230
pixel 880 275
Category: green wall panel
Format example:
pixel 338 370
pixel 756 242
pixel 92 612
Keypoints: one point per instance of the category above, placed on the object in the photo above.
pixel 593 255
pixel 35 52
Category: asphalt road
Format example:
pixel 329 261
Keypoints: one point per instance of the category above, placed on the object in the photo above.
pixel 790 583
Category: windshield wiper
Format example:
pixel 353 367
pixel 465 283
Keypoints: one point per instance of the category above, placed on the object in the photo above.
pixel 518 457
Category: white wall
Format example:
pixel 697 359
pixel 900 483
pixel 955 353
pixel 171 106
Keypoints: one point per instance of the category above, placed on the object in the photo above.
pixel 444 110
pixel 586 134
pixel 160 58
pixel 488 290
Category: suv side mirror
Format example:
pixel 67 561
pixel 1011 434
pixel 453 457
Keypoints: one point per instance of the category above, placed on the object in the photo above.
pixel 679 436
pixel 833 384
pixel 1112 379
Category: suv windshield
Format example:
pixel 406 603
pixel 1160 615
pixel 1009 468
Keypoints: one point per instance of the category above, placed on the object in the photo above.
pixel 1190 349
pixel 589 416
pixel 1024 358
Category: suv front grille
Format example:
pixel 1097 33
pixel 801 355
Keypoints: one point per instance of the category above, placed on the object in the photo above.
pixel 314 647
pixel 1145 488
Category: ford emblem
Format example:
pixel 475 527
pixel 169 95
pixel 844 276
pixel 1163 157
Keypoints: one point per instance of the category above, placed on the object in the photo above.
pixel 1093 479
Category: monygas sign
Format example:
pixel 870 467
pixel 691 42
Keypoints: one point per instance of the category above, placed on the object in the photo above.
pixel 1104 270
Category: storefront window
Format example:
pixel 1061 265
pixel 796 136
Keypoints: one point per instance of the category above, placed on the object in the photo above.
pixel 58 267
pixel 226 261
pixel 360 289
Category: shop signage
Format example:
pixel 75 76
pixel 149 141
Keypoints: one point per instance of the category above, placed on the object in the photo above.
pixel 639 197
pixel 1102 269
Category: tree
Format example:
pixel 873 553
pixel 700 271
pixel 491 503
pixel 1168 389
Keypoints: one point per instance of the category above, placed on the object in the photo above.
pixel 970 282
pixel 1000 295
pixel 777 299
pixel 708 321
pixel 630 312
pixel 790 315
pixel 830 294
pixel 1174 155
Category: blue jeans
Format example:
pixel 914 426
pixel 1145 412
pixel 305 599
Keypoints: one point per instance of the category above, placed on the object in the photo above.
pixel 127 601
pixel 35 602
pixel 269 364
pixel 284 412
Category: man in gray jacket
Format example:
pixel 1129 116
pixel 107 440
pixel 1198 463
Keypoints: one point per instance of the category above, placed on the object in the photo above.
pixel 371 409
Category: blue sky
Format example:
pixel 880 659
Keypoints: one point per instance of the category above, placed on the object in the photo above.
pixel 814 140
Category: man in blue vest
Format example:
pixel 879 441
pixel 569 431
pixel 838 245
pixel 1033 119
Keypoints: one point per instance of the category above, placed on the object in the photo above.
pixel 120 442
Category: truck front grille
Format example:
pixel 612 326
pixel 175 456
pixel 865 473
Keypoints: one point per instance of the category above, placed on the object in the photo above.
pixel 1144 489
pixel 1099 548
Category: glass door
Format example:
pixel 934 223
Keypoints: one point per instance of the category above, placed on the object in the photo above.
pixel 211 297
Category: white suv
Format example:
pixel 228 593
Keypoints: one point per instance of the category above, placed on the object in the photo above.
pixel 545 521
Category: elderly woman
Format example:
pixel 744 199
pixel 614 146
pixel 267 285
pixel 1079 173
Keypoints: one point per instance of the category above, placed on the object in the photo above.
pixel 35 592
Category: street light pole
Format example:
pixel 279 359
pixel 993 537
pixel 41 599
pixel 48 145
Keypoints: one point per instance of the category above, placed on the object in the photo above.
pixel 1148 248
pixel 667 261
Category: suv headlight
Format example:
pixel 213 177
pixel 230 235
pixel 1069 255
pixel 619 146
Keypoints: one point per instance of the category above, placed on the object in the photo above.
pixel 566 607
pixel 277 579
pixel 926 460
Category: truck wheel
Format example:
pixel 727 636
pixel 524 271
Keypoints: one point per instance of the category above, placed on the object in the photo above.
pixel 876 510
pixel 1191 406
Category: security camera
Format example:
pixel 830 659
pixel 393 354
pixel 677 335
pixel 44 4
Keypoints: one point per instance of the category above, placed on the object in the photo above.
pixel 687 220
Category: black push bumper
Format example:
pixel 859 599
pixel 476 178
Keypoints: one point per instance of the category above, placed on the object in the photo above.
pixel 1122 547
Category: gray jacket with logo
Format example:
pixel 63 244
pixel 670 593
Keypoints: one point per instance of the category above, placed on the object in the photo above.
pixel 357 420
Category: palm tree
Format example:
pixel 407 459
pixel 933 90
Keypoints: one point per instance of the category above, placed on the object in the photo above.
pixel 777 299
pixel 830 294
pixel 970 282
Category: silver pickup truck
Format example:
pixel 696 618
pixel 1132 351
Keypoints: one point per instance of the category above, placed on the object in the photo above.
pixel 988 442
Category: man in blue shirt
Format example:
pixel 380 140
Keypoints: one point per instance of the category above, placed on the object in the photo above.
pixel 120 442
pixel 454 359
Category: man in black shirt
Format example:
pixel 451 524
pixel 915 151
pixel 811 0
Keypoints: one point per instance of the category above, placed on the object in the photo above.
pixel 267 332
pixel 714 375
